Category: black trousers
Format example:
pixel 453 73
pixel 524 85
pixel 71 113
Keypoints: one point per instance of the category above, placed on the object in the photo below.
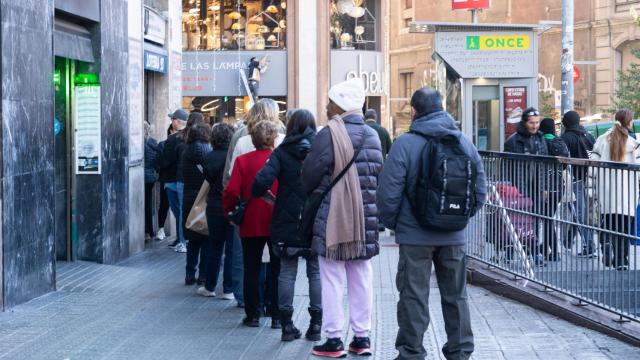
pixel 163 211
pixel 549 209
pixel 148 208
pixel 252 248
pixel 615 248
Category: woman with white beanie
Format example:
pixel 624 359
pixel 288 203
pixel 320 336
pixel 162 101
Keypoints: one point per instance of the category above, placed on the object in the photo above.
pixel 345 230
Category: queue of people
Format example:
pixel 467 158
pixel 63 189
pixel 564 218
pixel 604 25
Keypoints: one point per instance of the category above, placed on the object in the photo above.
pixel 280 193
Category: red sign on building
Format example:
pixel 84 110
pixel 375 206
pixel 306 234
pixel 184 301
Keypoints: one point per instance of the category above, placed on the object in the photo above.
pixel 470 4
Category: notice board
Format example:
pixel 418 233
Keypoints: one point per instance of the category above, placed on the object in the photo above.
pixel 88 130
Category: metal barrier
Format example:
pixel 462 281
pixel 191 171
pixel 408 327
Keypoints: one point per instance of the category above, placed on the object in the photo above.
pixel 567 224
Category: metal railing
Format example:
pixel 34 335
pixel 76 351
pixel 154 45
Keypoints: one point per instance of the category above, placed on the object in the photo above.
pixel 566 224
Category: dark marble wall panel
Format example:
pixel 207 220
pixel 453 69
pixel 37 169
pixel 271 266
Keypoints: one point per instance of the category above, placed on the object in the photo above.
pixel 114 71
pixel 26 72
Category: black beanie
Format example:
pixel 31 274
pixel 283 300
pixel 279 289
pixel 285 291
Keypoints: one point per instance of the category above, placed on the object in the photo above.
pixel 571 119
pixel 548 126
pixel 426 101
pixel 371 114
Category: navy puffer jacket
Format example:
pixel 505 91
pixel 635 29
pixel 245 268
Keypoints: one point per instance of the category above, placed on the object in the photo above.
pixel 318 168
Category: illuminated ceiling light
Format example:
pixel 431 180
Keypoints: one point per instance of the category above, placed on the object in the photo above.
pixel 215 7
pixel 283 24
pixel 272 9
pixel 272 38
pixel 235 15
pixel 277 30
pixel 236 26
pixel 283 5
pixel 263 29
pixel 356 12
pixel 194 11
pixel 358 2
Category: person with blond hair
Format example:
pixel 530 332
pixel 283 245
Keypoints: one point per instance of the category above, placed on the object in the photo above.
pixel 255 223
pixel 616 190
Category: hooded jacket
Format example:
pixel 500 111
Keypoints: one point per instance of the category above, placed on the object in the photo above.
pixel 399 177
pixel 524 143
pixel 318 169
pixel 580 144
pixel 151 154
pixel 529 177
pixel 285 166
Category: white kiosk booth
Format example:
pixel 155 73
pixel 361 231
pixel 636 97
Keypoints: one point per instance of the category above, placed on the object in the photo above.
pixel 487 74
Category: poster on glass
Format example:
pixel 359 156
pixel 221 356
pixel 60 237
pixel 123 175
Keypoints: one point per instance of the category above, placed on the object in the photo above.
pixel 86 111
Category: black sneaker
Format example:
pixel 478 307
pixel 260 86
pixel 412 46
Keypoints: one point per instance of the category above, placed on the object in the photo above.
pixel 360 346
pixel 174 243
pixel 332 348
pixel 251 322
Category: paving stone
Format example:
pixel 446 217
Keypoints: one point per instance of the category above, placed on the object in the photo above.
pixel 140 309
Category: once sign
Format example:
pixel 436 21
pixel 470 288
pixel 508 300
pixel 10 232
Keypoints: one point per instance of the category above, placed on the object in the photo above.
pixel 511 42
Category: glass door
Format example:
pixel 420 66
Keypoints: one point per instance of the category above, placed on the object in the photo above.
pixel 486 117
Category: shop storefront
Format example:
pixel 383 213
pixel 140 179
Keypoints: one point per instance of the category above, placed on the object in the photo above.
pixel 220 39
pixel 488 76
pixel 357 50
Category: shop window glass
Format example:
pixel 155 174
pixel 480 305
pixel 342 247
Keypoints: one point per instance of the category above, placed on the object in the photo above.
pixel 234 24
pixel 354 24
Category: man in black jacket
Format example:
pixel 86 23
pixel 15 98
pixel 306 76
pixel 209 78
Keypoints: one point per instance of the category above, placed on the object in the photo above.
pixel 168 164
pixel 580 143
pixel 371 117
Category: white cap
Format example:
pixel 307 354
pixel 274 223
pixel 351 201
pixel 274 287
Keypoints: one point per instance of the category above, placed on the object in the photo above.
pixel 348 95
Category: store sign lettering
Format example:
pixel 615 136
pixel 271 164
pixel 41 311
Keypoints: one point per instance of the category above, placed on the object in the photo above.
pixel 372 80
pixel 155 62
pixel 227 65
pixel 498 42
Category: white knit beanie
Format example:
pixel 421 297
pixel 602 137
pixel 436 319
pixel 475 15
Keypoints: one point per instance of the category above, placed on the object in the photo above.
pixel 348 95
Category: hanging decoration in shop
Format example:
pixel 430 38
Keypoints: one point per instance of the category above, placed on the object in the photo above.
pixel 267 26
pixel 272 9
pixel 352 24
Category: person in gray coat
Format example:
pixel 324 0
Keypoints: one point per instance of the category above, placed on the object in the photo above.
pixel 419 247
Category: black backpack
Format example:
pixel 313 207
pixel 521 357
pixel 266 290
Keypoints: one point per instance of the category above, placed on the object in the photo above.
pixel 445 191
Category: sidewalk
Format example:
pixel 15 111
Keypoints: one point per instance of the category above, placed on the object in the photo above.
pixel 140 309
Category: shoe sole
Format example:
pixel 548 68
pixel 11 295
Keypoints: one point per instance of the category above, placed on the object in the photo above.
pixel 288 338
pixel 330 354
pixel 360 352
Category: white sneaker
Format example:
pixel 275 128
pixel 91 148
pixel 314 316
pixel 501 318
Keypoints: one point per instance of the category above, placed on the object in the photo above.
pixel 206 293
pixel 161 235
pixel 228 296
pixel 181 248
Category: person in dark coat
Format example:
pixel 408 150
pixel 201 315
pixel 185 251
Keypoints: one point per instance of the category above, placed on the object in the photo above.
pixel 357 223
pixel 285 166
pixel 371 118
pixel 554 186
pixel 150 178
pixel 580 143
pixel 192 168
pixel 168 165
pixel 163 209
pixel 421 248
pixel 220 231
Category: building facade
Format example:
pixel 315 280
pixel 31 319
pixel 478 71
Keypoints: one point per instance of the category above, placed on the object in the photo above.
pixel 72 136
pixel 604 34
pixel 304 47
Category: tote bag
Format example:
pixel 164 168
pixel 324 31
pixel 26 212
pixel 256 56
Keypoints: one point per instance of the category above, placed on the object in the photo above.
pixel 197 219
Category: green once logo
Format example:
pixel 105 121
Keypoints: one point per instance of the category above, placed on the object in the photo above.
pixel 473 42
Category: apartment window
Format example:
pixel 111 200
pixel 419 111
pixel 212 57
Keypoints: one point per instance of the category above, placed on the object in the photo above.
pixel 407 22
pixel 408 4
pixel 406 79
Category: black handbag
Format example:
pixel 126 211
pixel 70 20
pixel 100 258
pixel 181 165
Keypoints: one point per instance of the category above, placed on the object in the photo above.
pixel 236 216
pixel 313 202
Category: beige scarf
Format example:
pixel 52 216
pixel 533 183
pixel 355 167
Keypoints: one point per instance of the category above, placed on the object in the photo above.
pixel 345 234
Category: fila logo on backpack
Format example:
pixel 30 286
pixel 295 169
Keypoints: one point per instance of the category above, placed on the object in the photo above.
pixel 445 191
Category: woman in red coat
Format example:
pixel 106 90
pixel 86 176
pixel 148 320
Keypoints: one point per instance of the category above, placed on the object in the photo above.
pixel 255 229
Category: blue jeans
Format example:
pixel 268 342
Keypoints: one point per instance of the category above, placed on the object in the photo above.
pixel 582 217
pixel 238 267
pixel 175 203
pixel 220 239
